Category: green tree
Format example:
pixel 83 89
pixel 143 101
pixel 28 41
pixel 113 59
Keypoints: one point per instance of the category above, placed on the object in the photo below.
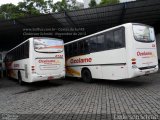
pixel 35 6
pixel 28 8
pixel 60 6
pixel 65 5
pixel 72 5
pixel 10 11
pixel 92 3
pixel 108 2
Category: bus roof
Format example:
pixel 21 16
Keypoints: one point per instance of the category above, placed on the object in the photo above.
pixel 99 32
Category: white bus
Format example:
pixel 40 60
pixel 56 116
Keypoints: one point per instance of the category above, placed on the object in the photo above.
pixel 121 52
pixel 36 59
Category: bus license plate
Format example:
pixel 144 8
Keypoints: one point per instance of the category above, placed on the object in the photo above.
pixel 147 72
pixel 50 78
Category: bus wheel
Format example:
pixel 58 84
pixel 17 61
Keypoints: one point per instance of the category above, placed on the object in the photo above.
pixel 86 76
pixel 20 79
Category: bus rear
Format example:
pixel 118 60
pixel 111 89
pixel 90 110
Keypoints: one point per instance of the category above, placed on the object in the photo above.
pixel 49 60
pixel 143 58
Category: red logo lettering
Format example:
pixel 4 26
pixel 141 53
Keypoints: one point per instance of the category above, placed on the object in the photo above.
pixel 143 53
pixel 46 61
pixel 79 60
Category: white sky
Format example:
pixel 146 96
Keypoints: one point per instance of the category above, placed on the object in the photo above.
pixel 16 1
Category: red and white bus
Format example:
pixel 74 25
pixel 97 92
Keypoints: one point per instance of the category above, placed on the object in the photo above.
pixel 121 52
pixel 36 59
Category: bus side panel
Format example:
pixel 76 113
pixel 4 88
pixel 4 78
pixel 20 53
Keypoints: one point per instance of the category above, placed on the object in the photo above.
pixel 129 48
pixel 101 64
pixel 115 72
pixel 96 71
pixel 25 70
pixel 19 66
pixel 22 67
pixel 12 73
pixel 73 71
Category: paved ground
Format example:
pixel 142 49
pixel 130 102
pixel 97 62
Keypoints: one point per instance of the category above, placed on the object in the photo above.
pixel 137 98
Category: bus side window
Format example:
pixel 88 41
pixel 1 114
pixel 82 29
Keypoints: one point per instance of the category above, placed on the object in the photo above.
pixel 118 37
pixel 18 53
pixel 75 48
pixel 70 50
pixel 26 49
pixel 93 44
pixel 80 48
pixel 86 46
pixel 15 54
pixel 22 52
pixel 66 51
pixel 109 42
pixel 12 55
pixel 100 42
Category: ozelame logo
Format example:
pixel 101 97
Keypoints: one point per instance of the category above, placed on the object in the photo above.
pixel 81 60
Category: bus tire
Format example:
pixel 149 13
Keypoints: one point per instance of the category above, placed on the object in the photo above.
pixel 86 76
pixel 20 79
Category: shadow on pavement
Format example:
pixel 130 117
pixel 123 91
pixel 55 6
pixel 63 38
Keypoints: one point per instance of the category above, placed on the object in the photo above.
pixel 124 83
pixel 134 82
pixel 31 87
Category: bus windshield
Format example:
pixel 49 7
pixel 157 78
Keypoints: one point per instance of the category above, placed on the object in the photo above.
pixel 48 45
pixel 143 33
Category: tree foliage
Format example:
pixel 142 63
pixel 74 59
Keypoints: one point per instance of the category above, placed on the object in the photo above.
pixel 108 2
pixel 60 6
pixel 35 7
pixel 10 11
pixel 92 3
pixel 65 5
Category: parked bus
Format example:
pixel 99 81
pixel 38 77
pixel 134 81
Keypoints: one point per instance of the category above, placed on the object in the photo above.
pixel 121 52
pixel 36 59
